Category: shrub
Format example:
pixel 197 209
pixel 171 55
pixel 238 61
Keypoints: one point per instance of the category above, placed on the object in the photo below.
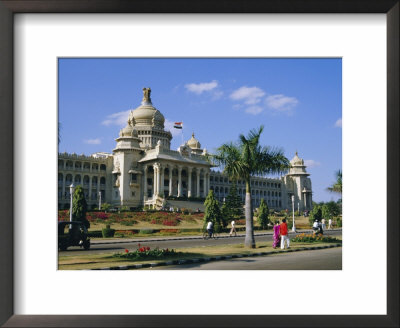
pixel 107 232
pixel 146 231
pixel 263 219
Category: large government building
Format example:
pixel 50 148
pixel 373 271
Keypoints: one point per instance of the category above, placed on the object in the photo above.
pixel 143 171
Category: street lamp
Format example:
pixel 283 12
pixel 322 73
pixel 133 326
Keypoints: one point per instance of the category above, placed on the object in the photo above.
pixel 294 224
pixel 99 200
pixel 71 192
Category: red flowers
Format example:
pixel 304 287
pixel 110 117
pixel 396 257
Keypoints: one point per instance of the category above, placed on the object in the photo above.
pixel 143 249
pixel 126 251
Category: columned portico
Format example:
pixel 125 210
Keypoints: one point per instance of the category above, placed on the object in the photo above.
pixel 189 182
pixel 179 181
pixel 162 168
pixel 145 183
pixel 198 183
pixel 170 168
pixel 155 180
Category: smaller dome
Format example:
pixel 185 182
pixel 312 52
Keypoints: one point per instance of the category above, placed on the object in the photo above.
pixel 194 143
pixel 297 161
pixel 128 131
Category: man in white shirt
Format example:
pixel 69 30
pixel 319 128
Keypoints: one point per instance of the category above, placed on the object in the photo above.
pixel 210 228
pixel 233 228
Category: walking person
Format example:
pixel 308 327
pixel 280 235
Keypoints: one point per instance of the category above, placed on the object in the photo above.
pixel 283 230
pixel 323 224
pixel 210 228
pixel 277 235
pixel 330 224
pixel 233 229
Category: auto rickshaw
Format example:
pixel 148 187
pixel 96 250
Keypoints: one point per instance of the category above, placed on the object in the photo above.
pixel 72 233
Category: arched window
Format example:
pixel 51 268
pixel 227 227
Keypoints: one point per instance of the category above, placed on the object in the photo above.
pixel 60 163
pixel 60 178
pixel 78 165
pixel 102 167
pixel 86 180
pixel 94 181
pixel 77 180
pixel 102 180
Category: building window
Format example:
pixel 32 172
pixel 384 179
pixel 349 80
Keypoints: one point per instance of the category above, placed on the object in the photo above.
pixel 133 194
pixel 134 178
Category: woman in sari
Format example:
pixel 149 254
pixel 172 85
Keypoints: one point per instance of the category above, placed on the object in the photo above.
pixel 277 236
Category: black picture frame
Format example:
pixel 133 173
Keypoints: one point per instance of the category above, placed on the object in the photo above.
pixel 10 7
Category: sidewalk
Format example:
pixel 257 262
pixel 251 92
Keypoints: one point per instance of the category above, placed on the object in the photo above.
pixel 225 235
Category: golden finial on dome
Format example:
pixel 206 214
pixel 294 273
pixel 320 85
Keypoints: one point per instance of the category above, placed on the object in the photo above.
pixel 192 134
pixel 146 95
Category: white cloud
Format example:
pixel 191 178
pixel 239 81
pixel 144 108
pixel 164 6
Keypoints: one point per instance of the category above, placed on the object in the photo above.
pixel 281 103
pixel 254 110
pixel 119 119
pixel 169 126
pixel 199 88
pixel 338 123
pixel 96 141
pixel 250 96
pixel 311 163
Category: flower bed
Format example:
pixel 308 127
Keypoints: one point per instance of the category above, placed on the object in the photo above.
pixel 145 252
pixel 311 238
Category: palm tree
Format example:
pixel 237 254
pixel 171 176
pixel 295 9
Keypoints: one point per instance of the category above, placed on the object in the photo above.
pixel 245 159
pixel 337 186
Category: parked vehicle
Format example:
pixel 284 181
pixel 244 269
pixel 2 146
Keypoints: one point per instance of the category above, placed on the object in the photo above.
pixel 72 233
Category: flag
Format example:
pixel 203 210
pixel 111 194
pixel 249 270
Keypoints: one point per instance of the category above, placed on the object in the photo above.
pixel 178 125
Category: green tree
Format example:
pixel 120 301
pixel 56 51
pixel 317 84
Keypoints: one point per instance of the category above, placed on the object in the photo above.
pixel 105 207
pixel 330 209
pixel 263 214
pixel 232 207
pixel 244 159
pixel 79 206
pixel 337 186
pixel 212 212
pixel 316 213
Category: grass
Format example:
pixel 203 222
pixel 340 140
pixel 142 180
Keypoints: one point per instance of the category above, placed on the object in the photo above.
pixel 96 261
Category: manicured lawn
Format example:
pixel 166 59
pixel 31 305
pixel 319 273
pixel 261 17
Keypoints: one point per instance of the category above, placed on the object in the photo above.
pixel 106 260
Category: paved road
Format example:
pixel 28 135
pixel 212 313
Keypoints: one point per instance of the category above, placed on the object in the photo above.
pixel 120 247
pixel 324 259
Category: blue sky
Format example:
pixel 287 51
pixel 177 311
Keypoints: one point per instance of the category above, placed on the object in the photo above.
pixel 299 102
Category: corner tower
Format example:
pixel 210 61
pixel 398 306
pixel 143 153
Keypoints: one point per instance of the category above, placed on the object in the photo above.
pixel 126 175
pixel 298 183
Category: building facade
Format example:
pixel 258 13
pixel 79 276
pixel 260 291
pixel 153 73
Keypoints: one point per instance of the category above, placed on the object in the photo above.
pixel 142 170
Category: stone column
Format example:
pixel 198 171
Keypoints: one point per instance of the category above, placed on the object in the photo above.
pixel 145 183
pixel 155 180
pixel 170 168
pixel 63 187
pixel 179 181
pixel 189 182
pixel 207 184
pixel 305 200
pixel 162 181
pixel 90 188
pixel 198 182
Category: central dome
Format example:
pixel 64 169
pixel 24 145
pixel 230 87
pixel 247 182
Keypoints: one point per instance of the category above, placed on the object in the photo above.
pixel 146 114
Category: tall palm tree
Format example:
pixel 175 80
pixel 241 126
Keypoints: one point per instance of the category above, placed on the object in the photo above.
pixel 337 186
pixel 244 159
